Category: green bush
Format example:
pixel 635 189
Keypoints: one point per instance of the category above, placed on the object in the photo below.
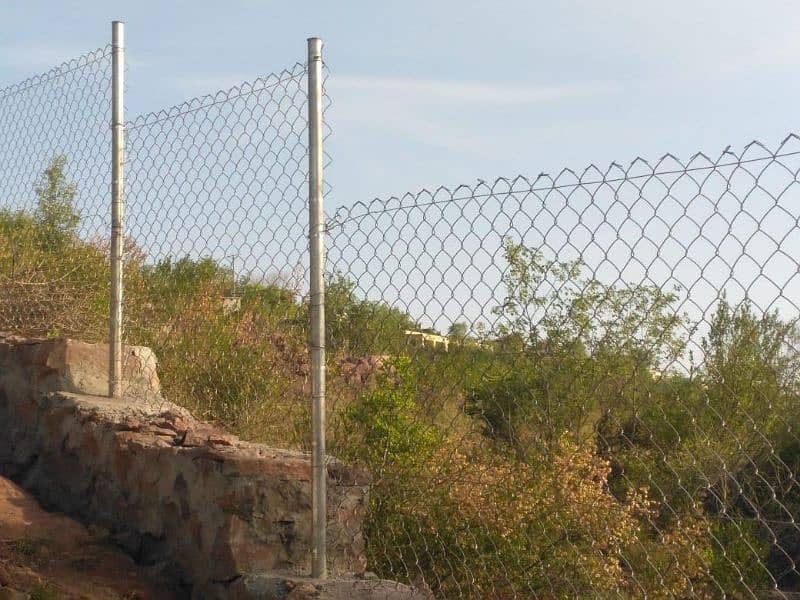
pixel 53 282
pixel 362 327
pixel 556 456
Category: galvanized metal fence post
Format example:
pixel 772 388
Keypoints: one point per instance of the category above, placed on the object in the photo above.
pixel 117 206
pixel 317 307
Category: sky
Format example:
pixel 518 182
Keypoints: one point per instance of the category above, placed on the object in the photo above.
pixel 429 94
pixel 444 93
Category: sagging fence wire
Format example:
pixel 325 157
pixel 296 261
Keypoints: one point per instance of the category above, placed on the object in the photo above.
pixel 582 385
pixel 343 216
pixel 613 414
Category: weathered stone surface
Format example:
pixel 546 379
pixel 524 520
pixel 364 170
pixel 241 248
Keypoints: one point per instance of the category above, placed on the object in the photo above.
pixel 361 370
pixel 271 587
pixel 41 548
pixel 72 366
pixel 175 492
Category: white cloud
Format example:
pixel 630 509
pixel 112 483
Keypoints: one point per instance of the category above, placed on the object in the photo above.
pixel 435 91
pixel 783 52
pixel 413 107
pixel 435 112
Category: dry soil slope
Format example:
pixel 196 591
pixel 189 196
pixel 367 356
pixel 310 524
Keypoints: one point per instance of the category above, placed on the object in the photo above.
pixel 48 556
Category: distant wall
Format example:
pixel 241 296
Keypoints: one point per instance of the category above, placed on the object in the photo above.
pixel 173 491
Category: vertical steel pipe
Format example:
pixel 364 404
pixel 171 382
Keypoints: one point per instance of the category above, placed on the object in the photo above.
pixel 317 307
pixel 117 206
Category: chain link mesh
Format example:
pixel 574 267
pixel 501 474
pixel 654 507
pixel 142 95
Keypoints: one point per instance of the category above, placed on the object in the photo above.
pixel 582 385
pixel 54 181
pixel 217 253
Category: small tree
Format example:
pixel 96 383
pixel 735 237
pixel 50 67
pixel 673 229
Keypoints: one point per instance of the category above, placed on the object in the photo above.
pixel 55 211
pixel 361 326
pixel 551 302
pixel 528 299
pixel 569 349
pixel 458 332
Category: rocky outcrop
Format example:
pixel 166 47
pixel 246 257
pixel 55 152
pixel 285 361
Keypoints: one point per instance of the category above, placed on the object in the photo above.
pixel 173 491
pixel 304 588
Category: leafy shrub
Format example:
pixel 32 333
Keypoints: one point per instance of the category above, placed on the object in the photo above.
pixel 245 369
pixel 53 282
pixel 362 327
pixel 553 457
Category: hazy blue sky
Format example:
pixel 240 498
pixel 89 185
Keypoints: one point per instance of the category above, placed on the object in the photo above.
pixel 431 93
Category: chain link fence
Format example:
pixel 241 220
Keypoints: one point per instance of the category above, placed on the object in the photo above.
pixel 582 385
pixel 573 386
pixel 217 253
pixel 54 132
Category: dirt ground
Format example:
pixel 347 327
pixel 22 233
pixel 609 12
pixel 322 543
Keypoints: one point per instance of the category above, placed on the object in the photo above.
pixel 48 556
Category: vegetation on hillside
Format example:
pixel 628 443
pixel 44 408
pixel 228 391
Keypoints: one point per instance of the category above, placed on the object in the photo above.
pixel 558 454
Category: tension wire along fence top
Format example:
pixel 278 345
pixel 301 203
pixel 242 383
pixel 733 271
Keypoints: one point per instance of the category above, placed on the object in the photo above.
pixel 582 385
pixel 655 224
pixel 613 415
pixel 54 130
pixel 217 217
pixel 224 175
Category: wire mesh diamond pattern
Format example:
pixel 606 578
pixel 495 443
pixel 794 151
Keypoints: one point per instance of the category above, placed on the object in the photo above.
pixel 580 385
pixel 54 132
